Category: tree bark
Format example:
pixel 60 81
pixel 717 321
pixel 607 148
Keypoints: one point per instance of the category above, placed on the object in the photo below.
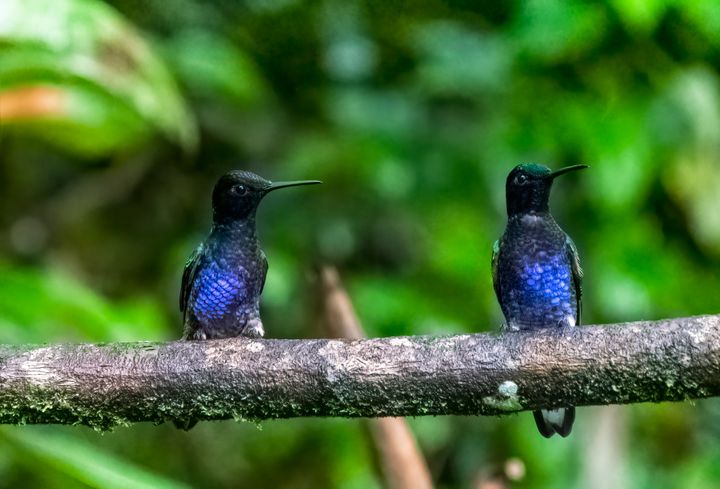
pixel 482 374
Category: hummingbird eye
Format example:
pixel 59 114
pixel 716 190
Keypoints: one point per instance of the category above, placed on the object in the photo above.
pixel 239 190
pixel 521 179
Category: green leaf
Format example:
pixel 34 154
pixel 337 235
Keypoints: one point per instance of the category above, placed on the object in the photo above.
pixel 455 59
pixel 213 67
pixel 84 462
pixel 640 15
pixel 76 73
pixel 705 15
pixel 557 30
pixel 45 305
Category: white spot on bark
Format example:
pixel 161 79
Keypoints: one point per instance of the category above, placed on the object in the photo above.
pixel 401 342
pixel 697 336
pixel 506 398
pixel 450 341
pixel 255 347
pixel 330 354
pixel 508 389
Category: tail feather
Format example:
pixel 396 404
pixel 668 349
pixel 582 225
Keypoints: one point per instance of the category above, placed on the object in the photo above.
pixel 185 424
pixel 551 421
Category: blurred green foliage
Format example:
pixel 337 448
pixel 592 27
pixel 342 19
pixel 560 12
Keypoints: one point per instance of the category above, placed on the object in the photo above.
pixel 412 113
pixel 110 87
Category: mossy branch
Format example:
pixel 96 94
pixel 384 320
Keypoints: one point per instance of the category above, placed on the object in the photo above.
pixel 482 374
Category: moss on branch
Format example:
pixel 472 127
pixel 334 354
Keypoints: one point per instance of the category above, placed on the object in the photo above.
pixel 107 385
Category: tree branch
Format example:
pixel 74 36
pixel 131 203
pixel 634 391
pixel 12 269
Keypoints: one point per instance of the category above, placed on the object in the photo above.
pixel 488 374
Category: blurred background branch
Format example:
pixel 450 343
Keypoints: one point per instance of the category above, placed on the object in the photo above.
pixel 403 465
pixel 107 385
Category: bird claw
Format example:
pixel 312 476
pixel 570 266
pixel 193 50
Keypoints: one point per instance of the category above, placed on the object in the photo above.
pixel 199 335
pixel 566 322
pixel 253 329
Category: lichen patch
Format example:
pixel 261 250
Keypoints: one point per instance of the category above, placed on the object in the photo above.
pixel 506 399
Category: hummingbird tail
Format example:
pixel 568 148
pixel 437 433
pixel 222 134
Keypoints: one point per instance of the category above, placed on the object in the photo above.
pixel 185 424
pixel 551 421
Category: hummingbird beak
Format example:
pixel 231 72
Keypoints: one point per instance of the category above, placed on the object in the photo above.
pixel 567 169
pixel 277 185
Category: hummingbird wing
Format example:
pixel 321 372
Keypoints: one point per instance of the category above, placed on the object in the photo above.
pixel 189 273
pixel 495 255
pixel 577 273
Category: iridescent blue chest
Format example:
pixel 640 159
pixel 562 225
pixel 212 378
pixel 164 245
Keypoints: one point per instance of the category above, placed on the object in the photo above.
pixel 534 276
pixel 223 283
pixel 217 291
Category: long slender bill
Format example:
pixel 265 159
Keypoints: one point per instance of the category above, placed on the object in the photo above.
pixel 567 169
pixel 277 185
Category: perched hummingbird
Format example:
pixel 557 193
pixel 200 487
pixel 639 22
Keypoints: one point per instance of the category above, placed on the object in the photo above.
pixel 225 275
pixel 536 269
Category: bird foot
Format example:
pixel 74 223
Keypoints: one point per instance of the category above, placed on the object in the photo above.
pixel 567 322
pixel 253 329
pixel 199 334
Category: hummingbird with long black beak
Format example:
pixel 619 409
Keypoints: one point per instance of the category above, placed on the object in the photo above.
pixel 536 270
pixel 225 275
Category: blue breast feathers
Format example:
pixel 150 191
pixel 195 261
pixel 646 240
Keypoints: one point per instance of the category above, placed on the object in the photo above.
pixel 542 292
pixel 216 292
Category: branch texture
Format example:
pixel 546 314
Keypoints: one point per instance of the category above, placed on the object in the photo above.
pixel 482 374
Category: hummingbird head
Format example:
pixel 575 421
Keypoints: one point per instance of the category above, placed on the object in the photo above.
pixel 237 194
pixel 528 187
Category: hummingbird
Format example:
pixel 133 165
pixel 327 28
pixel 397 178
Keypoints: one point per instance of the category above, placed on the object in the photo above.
pixel 225 275
pixel 536 270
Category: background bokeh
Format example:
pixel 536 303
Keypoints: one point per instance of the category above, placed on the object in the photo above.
pixel 116 119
